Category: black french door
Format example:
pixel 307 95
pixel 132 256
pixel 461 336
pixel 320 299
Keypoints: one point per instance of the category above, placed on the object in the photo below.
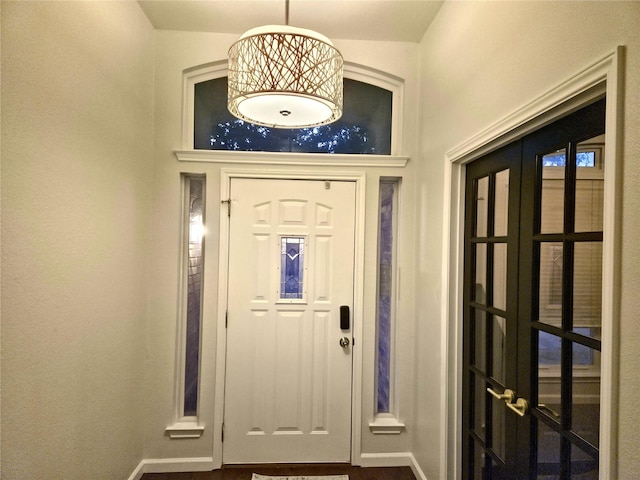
pixel 532 304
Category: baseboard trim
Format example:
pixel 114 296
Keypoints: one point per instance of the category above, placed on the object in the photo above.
pixel 172 465
pixel 401 459
pixel 203 464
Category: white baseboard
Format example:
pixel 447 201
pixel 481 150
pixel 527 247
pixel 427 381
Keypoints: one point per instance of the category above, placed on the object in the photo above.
pixel 203 464
pixel 170 465
pixel 403 459
pixel 138 472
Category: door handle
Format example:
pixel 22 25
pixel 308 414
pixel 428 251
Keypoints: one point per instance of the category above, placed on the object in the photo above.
pixel 508 396
pixel 549 410
pixel 521 407
pixel 345 317
pixel 344 342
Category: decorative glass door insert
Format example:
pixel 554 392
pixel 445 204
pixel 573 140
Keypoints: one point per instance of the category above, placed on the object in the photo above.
pixel 292 269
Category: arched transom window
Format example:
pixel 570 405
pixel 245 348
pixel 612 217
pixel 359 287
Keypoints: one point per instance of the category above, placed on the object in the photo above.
pixel 368 126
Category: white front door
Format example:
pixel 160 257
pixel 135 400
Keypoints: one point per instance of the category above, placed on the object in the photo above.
pixel 288 366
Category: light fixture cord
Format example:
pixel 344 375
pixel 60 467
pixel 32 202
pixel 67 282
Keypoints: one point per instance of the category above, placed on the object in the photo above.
pixel 286 12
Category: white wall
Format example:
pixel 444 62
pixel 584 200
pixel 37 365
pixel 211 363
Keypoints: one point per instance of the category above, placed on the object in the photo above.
pixel 77 104
pixel 479 62
pixel 175 52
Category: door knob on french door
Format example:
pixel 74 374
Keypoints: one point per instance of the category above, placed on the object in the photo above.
pixel 521 406
pixel 344 342
pixel 508 396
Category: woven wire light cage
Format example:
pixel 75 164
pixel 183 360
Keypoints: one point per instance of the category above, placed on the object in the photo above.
pixel 285 77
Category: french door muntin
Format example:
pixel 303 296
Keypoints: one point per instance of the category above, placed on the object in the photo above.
pixel 525 337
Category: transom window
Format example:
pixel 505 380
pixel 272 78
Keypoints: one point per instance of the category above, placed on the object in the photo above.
pixel 365 127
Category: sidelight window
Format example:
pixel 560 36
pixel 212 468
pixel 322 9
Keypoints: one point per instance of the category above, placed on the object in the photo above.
pixel 387 239
pixel 188 371
pixel 192 276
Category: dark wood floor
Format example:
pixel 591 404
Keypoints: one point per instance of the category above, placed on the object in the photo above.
pixel 244 472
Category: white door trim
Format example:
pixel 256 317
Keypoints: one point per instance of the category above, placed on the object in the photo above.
pixel 358 302
pixel 602 77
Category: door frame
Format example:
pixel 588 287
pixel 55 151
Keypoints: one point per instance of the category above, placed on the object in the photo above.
pixel 226 175
pixel 604 77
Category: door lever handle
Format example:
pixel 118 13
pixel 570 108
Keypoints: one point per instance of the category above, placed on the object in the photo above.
pixel 547 409
pixel 508 396
pixel 521 407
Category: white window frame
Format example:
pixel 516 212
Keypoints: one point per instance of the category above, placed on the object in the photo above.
pixel 185 426
pixel 352 71
pixel 387 423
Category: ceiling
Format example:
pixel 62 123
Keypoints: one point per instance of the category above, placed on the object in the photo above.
pixel 384 20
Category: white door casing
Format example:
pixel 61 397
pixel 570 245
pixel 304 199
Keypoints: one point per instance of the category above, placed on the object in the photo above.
pixel 603 76
pixel 288 379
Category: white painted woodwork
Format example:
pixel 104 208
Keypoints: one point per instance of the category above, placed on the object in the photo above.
pixel 288 380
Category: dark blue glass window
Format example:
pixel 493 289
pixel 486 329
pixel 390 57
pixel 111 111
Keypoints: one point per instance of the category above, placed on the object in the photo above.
pixel 365 126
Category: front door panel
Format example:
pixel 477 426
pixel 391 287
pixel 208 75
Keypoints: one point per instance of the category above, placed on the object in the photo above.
pixel 288 380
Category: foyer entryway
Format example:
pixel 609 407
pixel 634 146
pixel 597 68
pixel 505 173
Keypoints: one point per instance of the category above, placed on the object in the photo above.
pixel 289 327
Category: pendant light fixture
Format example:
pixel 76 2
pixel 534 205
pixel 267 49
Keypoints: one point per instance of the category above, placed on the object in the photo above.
pixel 285 77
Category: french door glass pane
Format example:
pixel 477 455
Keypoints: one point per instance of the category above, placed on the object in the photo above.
pixel 498 351
pixel 501 205
pixel 479 406
pixel 478 461
pixel 589 185
pixel 549 349
pixel 583 466
pixel 482 210
pixel 498 427
pixel 548 453
pixel 552 206
pixel 480 291
pixel 549 386
pixel 589 202
pixel 587 285
pixel 500 275
pixel 550 288
pixel 585 409
pixel 480 339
